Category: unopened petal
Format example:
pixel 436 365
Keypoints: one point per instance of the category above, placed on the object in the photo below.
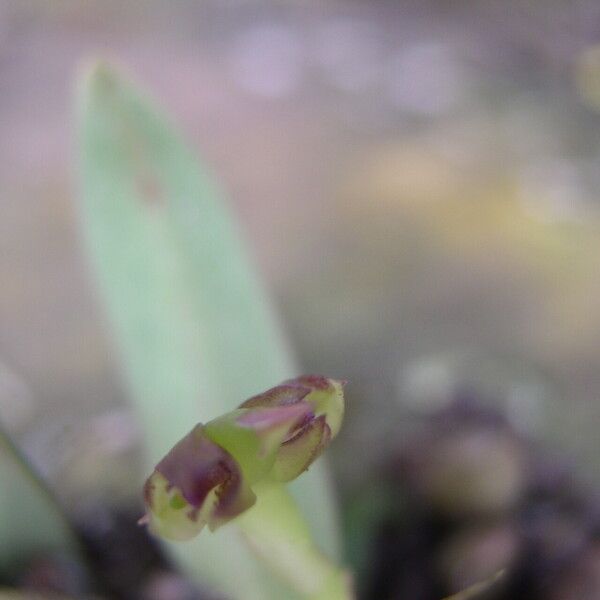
pixel 280 395
pixel 297 454
pixel 326 397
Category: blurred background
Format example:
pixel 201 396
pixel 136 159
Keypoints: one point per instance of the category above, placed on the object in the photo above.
pixel 417 183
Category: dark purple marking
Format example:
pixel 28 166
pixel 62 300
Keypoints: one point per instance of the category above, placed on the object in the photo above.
pixel 316 382
pixel 196 466
pixel 281 395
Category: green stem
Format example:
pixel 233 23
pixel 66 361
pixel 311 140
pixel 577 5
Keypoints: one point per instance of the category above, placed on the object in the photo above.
pixel 276 531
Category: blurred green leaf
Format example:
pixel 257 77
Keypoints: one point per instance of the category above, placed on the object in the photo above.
pixel 31 522
pixel 195 329
pixel 366 509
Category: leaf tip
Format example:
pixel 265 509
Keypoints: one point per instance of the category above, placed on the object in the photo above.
pixel 96 78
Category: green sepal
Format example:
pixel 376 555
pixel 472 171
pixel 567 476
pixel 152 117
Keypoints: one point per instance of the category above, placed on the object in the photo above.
pixel 254 436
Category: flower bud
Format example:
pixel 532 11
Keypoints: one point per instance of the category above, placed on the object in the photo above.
pixel 208 477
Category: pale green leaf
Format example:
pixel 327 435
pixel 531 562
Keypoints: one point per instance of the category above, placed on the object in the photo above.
pixel 195 329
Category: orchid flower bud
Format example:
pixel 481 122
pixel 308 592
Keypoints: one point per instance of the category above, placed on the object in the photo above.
pixel 208 477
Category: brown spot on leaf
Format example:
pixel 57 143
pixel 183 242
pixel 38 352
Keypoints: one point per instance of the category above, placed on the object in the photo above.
pixel 150 189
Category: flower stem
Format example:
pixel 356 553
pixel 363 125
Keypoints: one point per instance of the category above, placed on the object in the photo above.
pixel 276 531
